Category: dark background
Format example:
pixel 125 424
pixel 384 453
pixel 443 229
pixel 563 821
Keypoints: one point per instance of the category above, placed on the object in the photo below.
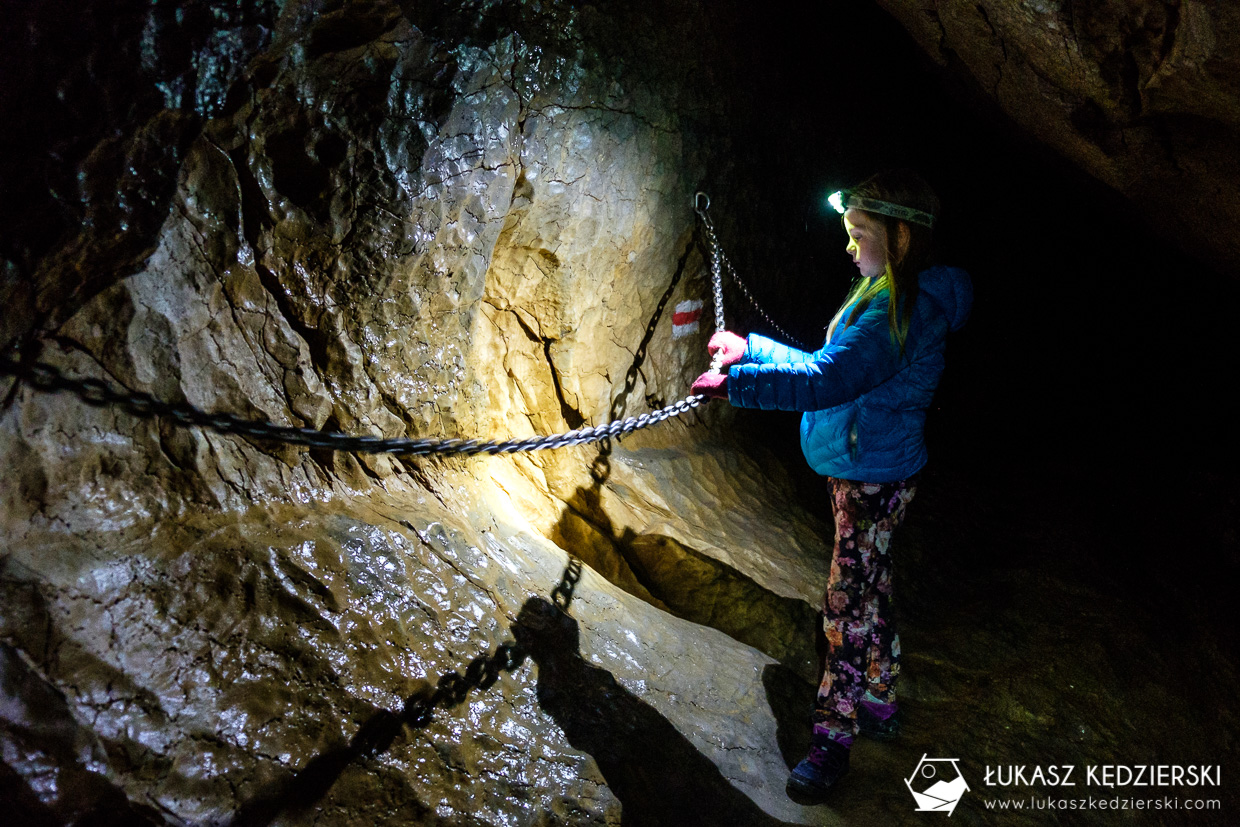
pixel 1091 387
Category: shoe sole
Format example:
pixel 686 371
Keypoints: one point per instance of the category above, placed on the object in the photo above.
pixel 815 793
pixel 805 794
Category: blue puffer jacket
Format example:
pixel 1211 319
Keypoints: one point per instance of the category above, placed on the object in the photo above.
pixel 865 405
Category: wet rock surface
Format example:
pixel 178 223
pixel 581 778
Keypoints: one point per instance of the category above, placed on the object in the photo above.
pixel 470 220
pixel 101 107
pixel 393 223
pixel 242 670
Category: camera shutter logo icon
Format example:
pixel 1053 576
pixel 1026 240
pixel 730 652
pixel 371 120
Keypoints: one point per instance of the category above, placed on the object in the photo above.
pixel 937 784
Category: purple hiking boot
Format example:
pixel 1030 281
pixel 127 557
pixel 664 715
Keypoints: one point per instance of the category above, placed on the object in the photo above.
pixel 826 764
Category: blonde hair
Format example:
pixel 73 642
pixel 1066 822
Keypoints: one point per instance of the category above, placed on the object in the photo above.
pixel 899 278
pixel 862 292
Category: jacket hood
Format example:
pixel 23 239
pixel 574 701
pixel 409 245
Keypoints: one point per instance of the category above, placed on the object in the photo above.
pixel 951 289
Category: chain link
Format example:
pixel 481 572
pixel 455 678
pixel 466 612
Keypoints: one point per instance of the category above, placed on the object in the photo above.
pixel 562 595
pixel 716 257
pixel 719 262
pixel 98 393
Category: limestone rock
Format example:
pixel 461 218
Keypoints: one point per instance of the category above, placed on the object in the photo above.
pixel 101 106
pixel 473 220
pixel 1145 96
pixel 396 222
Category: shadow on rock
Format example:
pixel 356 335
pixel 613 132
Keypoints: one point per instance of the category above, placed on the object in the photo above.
pixel 690 584
pixel 658 775
pixel 706 591
pixel 791 699
pixel 300 792
pixel 39 729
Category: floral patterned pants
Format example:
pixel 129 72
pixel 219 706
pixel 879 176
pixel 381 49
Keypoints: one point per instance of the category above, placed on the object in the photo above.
pixel 863 659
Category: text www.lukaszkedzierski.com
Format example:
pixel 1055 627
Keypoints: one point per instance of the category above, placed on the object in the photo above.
pixel 1091 803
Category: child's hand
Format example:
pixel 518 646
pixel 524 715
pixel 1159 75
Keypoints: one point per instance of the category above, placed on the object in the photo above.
pixel 728 345
pixel 714 385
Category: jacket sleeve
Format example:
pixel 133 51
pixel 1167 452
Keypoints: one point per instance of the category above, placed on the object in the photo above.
pixel 861 358
pixel 766 351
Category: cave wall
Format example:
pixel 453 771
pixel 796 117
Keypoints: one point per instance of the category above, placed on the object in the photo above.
pixel 453 220
pixel 387 219
pixel 1144 95
pixel 100 108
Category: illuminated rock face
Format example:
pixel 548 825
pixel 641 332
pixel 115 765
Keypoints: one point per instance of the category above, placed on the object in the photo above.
pixel 1145 96
pixel 389 220
pixel 395 225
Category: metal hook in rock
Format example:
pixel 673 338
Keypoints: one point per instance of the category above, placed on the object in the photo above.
pixel 697 200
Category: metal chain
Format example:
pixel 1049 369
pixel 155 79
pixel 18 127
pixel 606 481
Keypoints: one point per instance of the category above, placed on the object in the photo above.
pixel 98 393
pixel 718 263
pixel 716 257
pixel 562 595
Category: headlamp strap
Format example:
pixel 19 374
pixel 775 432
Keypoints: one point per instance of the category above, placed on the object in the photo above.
pixel 844 200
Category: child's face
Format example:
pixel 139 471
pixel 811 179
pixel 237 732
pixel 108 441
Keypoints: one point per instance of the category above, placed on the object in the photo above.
pixel 867 243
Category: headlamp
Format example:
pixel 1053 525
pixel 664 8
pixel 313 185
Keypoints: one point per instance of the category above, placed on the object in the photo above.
pixel 844 200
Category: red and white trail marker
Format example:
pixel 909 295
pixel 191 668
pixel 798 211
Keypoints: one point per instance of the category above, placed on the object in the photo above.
pixel 685 318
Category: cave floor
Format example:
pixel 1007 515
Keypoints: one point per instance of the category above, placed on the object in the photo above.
pixel 1020 648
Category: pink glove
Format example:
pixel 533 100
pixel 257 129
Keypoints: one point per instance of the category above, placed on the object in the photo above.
pixel 714 385
pixel 729 345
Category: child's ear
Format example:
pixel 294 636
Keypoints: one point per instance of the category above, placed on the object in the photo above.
pixel 903 239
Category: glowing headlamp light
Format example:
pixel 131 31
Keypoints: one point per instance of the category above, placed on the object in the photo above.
pixel 843 200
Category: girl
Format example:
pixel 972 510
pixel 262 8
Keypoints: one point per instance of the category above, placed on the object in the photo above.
pixel 865 395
